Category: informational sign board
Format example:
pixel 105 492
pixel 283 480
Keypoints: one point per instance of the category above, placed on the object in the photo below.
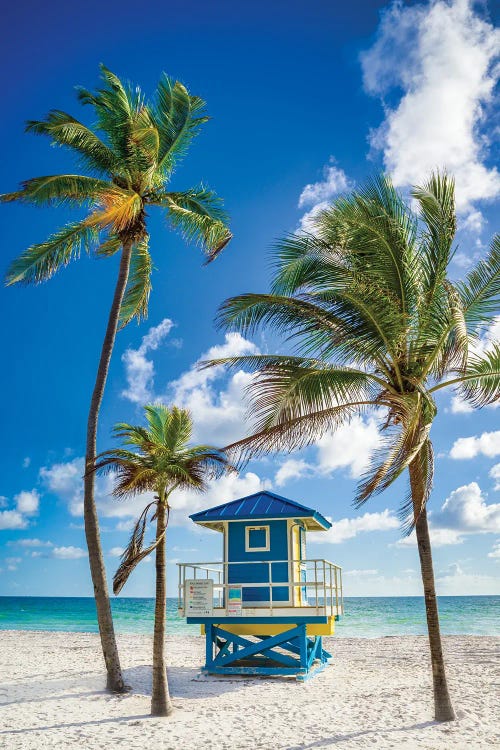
pixel 234 602
pixel 199 597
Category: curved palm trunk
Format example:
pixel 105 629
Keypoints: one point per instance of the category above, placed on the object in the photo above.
pixel 161 704
pixel 96 560
pixel 443 709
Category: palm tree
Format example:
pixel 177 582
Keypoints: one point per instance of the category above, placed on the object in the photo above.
pixel 163 462
pixel 378 323
pixel 129 157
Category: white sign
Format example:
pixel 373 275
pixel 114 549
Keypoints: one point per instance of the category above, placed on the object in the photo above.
pixel 234 602
pixel 199 597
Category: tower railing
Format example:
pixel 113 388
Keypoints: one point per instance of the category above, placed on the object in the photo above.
pixel 320 583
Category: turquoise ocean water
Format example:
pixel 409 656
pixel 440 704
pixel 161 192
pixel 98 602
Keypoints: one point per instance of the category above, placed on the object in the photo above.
pixel 364 617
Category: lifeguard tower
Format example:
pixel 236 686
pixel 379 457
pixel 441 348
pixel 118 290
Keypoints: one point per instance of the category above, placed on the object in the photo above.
pixel 265 607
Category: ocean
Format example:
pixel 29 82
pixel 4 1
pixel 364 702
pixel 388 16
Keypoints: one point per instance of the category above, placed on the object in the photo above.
pixel 364 617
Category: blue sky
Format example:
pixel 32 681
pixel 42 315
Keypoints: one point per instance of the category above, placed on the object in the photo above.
pixel 306 100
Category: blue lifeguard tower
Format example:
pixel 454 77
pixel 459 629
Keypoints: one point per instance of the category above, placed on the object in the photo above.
pixel 265 607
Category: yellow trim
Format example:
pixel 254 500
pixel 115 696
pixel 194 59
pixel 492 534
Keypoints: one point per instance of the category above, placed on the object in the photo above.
pixel 313 628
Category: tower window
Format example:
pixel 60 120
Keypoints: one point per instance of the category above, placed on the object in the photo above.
pixel 257 539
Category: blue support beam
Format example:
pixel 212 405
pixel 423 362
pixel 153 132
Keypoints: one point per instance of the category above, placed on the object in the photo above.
pixel 291 652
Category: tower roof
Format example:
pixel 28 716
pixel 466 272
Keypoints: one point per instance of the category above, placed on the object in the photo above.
pixel 259 506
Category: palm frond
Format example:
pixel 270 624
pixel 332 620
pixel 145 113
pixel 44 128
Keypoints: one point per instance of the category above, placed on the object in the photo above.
pixel 195 216
pixel 136 298
pixel 134 552
pixel 481 290
pixel 480 383
pixel 65 130
pixel 58 190
pixel 40 262
pixel 178 117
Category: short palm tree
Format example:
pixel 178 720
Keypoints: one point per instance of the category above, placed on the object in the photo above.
pixel 378 324
pixel 129 158
pixel 161 461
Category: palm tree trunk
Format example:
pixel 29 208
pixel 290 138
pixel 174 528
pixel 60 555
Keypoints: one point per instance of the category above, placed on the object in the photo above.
pixel 161 704
pixel 96 560
pixel 443 709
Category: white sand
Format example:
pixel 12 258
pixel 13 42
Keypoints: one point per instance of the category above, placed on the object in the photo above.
pixel 376 694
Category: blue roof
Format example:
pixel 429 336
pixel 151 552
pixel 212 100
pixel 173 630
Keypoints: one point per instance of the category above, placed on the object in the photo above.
pixel 261 505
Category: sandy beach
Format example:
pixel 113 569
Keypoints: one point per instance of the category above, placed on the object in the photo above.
pixel 376 694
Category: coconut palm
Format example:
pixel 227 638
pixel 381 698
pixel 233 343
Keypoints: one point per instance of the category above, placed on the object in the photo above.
pixel 129 158
pixel 378 325
pixel 161 461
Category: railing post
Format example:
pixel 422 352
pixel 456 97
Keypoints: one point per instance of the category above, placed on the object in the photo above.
pixel 316 585
pixel 270 566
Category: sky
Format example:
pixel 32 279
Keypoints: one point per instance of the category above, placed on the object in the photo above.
pixel 306 101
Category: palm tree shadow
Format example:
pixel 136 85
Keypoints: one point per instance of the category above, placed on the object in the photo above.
pixel 336 739
pixel 183 682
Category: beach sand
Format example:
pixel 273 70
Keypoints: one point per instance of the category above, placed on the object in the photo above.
pixel 376 694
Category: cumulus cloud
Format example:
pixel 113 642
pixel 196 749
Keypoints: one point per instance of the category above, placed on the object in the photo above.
pixel 33 543
pixel 495 474
pixel 318 195
pixel 433 66
pixel 26 505
pixel 486 444
pixel 495 552
pixel 219 491
pixel 467 511
pixel 27 502
pixel 69 553
pixel 116 551
pixel 139 369
pixel 292 468
pixel 12 519
pixel 439 538
pixel 348 528
pixel 350 447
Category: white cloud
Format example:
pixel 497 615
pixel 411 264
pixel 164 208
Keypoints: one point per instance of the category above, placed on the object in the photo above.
pixel 12 562
pixel 27 502
pixel 139 369
pixel 334 181
pixel 69 553
pixel 495 474
pixel 348 528
pixel 65 480
pixel 466 511
pixel 220 491
pixel 12 519
pixel 438 60
pixel 487 444
pixel 349 447
pixel 33 543
pixel 360 573
pixel 26 462
pixel 459 406
pixel 218 410
pixel 319 194
pixel 116 551
pixel 292 468
pixel 457 582
pixel 439 538
pixel 495 552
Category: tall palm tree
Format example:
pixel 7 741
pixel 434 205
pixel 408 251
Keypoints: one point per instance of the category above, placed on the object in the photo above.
pixel 129 158
pixel 378 324
pixel 161 462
